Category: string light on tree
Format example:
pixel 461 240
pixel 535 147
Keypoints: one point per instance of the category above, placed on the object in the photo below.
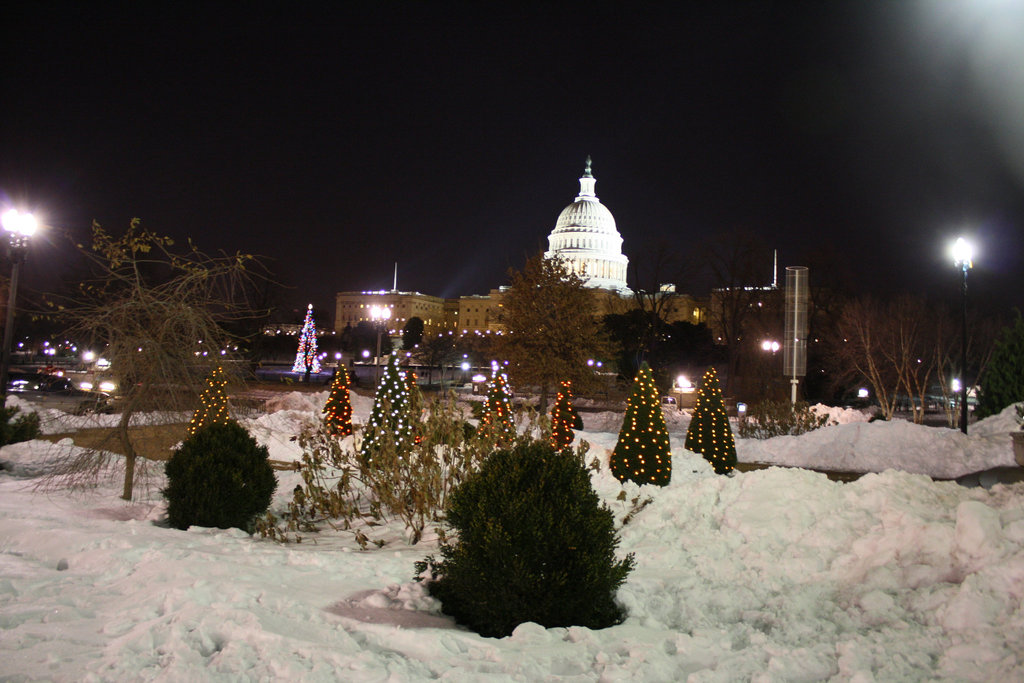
pixel 496 422
pixel 338 408
pixel 643 453
pixel 710 433
pixel 564 418
pixel 392 415
pixel 306 359
pixel 213 402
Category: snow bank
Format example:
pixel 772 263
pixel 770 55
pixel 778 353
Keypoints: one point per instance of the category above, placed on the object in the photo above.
pixel 777 574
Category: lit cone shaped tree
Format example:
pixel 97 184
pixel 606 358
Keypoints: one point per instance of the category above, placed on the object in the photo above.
pixel 213 402
pixel 643 454
pixel 306 359
pixel 496 423
pixel 392 412
pixel 338 409
pixel 710 433
pixel 564 418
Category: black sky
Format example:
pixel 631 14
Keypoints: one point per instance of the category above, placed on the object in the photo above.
pixel 338 139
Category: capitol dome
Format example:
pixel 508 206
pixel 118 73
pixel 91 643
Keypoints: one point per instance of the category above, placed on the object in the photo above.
pixel 586 238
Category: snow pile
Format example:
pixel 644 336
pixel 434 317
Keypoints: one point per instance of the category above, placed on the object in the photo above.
pixel 876 446
pixel 841 416
pixel 777 574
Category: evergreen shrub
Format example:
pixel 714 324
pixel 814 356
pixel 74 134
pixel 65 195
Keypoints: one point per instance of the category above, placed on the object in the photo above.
pixel 24 428
pixel 1002 383
pixel 218 477
pixel 768 419
pixel 533 543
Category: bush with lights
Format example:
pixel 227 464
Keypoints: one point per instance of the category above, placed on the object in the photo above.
pixel 534 543
pixel 564 418
pixel 496 422
pixel 393 417
pixel 218 477
pixel 213 402
pixel 306 359
pixel 643 453
pixel 709 432
pixel 338 408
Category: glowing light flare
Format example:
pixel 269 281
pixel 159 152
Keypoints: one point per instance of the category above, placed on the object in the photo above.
pixel 20 224
pixel 963 253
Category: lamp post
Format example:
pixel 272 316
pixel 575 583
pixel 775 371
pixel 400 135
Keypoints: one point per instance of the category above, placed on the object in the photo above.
pixel 962 255
pixel 380 315
pixel 20 227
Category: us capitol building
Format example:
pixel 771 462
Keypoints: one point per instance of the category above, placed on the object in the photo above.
pixel 585 237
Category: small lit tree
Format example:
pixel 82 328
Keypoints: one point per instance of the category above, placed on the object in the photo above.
pixel 564 418
pixel 496 423
pixel 391 418
pixel 643 453
pixel 338 408
pixel 709 432
pixel 306 359
pixel 213 402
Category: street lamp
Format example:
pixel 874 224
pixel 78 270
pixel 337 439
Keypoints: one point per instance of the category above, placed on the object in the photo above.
pixel 380 314
pixel 963 252
pixel 20 227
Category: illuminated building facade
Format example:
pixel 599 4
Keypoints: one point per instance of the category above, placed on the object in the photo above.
pixel 585 236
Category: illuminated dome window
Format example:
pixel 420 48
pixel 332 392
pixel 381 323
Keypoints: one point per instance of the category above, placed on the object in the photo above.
pixel 585 237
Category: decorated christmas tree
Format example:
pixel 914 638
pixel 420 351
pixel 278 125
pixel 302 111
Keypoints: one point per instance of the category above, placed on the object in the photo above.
pixel 564 418
pixel 642 453
pixel 306 359
pixel 496 423
pixel 338 409
pixel 710 433
pixel 213 402
pixel 392 417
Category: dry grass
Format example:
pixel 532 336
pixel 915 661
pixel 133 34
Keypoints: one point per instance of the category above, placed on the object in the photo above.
pixel 153 442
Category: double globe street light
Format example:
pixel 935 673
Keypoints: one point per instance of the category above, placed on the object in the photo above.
pixel 20 227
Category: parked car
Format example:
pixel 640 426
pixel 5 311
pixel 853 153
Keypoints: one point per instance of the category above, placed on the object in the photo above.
pixel 51 391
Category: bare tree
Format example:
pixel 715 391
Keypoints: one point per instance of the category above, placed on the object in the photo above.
pixel 739 264
pixel 858 350
pixel 161 317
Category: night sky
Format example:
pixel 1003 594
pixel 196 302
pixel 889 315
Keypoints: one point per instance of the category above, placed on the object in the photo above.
pixel 336 140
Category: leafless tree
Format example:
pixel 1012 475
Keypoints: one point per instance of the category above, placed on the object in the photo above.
pixel 160 316
pixel 739 264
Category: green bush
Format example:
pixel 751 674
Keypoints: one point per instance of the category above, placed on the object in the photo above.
pixel 1002 383
pixel 25 428
pixel 534 543
pixel 218 477
pixel 767 419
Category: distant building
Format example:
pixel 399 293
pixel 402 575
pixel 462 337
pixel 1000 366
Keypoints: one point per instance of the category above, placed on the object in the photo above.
pixel 351 308
pixel 585 236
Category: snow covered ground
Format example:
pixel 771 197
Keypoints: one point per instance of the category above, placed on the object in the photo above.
pixel 772 575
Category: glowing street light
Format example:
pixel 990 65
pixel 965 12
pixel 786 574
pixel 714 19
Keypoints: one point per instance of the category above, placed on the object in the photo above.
pixel 963 254
pixel 380 315
pixel 20 227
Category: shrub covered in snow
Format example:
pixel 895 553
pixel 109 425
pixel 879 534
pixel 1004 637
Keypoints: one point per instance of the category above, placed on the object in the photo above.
pixel 768 419
pixel 24 428
pixel 533 543
pixel 218 477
